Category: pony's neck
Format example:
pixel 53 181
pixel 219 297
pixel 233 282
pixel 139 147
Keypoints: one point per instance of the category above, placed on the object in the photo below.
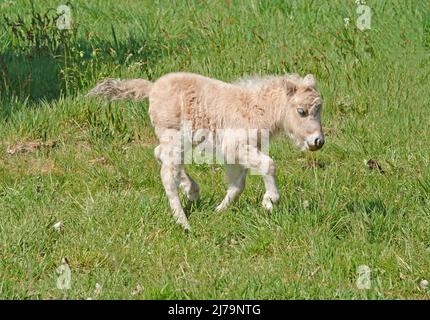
pixel 269 108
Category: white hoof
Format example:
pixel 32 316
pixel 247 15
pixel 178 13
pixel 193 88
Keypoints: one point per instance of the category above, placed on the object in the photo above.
pixel 183 221
pixel 221 207
pixel 267 204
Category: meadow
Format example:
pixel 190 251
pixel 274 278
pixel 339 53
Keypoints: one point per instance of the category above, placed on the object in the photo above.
pixel 78 179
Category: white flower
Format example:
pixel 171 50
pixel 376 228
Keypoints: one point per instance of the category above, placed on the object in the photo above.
pixel 346 22
pixel 137 290
pixel 424 284
pixel 98 289
pixel 58 226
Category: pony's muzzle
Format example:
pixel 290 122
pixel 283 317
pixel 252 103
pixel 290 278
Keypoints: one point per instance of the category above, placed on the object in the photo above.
pixel 315 142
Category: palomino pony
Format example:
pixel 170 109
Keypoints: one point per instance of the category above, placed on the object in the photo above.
pixel 178 100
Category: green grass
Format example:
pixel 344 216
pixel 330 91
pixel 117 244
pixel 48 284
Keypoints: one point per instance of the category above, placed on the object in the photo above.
pixel 118 230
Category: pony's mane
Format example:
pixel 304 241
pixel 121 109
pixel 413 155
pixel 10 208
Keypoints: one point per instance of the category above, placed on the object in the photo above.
pixel 256 83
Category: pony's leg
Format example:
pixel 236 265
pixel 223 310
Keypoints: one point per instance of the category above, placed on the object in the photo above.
pixel 169 155
pixel 170 176
pixel 236 175
pixel 254 159
pixel 190 187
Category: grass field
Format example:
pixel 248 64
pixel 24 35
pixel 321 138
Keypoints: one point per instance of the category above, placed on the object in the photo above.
pixel 91 165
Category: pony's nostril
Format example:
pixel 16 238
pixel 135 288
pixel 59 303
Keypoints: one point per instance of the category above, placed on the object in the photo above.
pixel 319 142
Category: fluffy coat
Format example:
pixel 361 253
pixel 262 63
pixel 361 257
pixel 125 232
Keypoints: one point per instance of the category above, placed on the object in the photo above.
pixel 276 103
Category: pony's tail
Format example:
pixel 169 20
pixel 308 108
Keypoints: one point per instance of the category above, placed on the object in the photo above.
pixel 116 89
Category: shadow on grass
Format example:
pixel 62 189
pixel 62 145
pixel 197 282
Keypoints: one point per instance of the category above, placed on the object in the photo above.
pixel 41 63
pixel 370 207
pixel 206 205
pixel 42 76
pixel 369 217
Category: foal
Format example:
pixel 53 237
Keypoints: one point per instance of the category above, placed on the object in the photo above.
pixel 184 100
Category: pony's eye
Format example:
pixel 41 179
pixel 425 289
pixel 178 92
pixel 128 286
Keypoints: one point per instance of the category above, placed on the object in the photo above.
pixel 301 112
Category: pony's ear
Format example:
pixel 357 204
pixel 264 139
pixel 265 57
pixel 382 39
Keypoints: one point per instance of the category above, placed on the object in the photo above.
pixel 309 80
pixel 290 87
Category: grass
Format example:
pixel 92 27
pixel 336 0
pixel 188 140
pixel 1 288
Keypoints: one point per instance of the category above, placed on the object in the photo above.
pixel 102 181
